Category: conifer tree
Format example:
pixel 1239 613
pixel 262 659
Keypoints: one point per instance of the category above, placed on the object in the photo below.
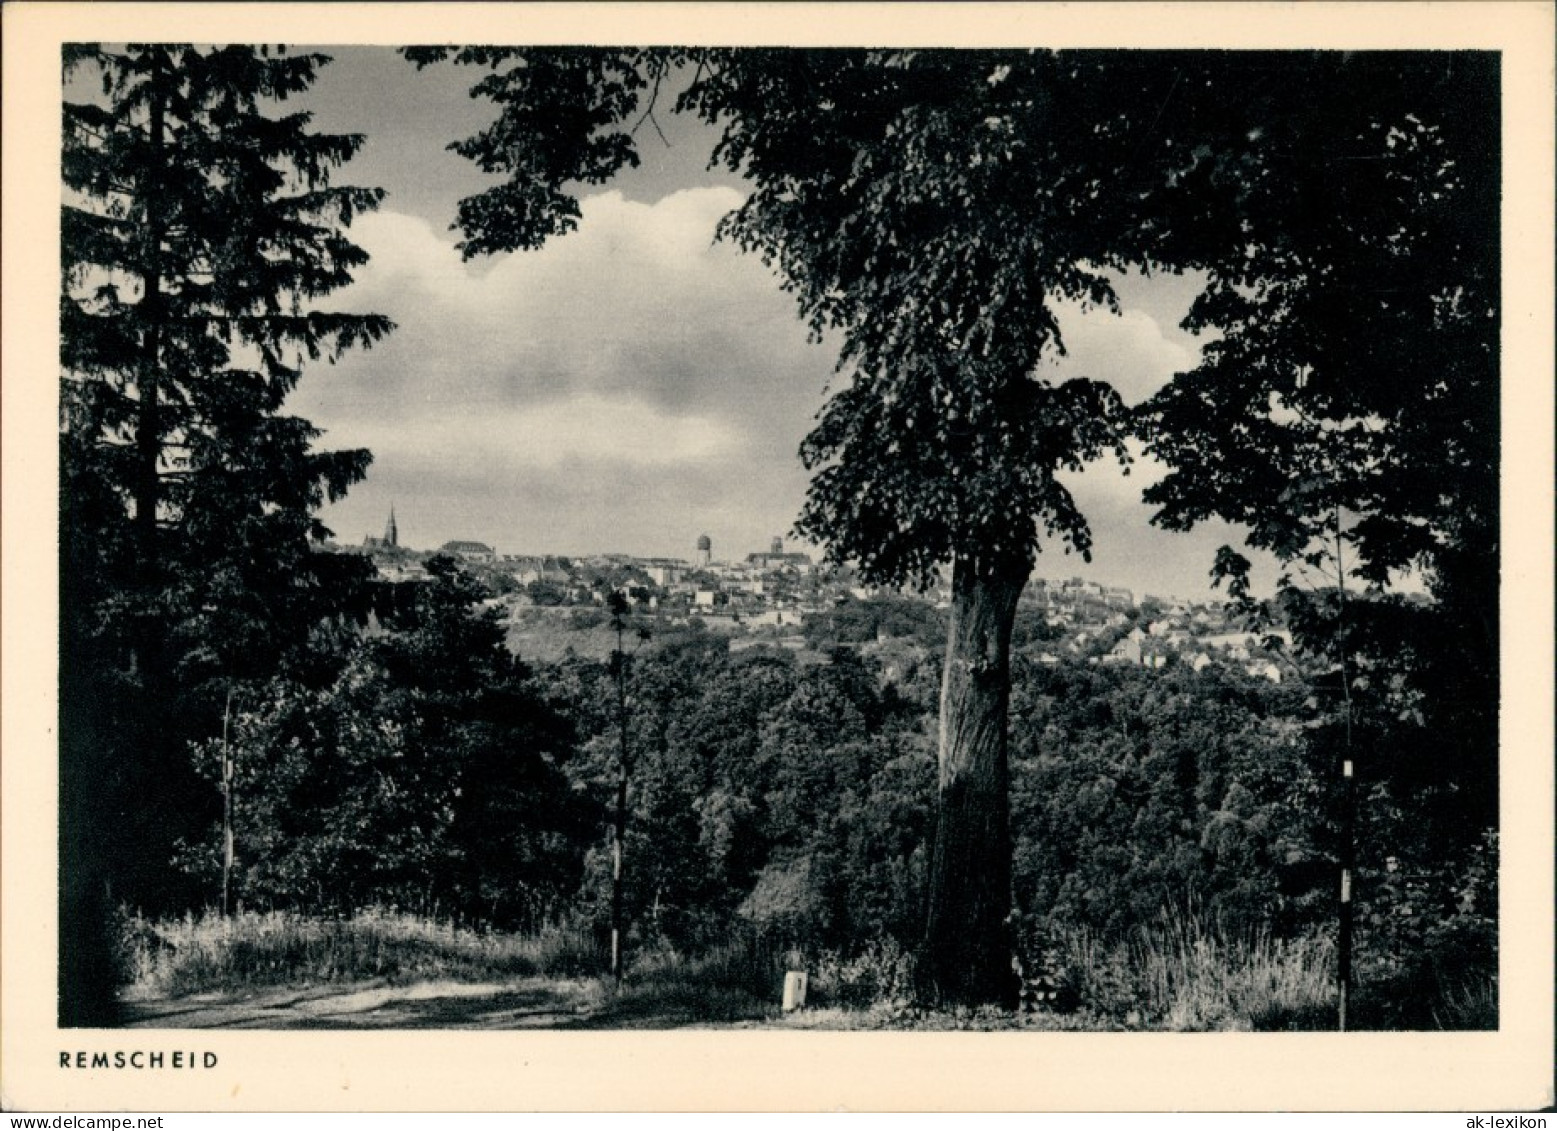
pixel 199 226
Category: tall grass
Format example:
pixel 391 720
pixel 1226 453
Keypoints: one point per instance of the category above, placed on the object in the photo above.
pixel 1201 977
pixel 1188 973
pixel 738 979
pixel 1469 1004
pixel 208 953
pixel 880 978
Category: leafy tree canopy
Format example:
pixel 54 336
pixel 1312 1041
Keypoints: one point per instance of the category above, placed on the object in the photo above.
pixel 911 204
pixel 1345 210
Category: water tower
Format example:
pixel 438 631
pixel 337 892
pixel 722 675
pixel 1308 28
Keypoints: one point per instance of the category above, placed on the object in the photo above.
pixel 705 550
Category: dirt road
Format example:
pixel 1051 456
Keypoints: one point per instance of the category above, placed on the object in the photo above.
pixel 527 1003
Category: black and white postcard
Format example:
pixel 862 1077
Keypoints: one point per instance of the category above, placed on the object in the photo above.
pixel 755 557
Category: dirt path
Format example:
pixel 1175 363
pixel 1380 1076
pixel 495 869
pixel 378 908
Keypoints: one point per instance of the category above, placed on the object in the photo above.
pixel 525 1003
pixel 522 1004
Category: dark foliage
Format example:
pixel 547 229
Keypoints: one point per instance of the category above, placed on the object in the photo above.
pixel 1136 790
pixel 427 775
pixel 927 206
pixel 1348 414
pixel 198 229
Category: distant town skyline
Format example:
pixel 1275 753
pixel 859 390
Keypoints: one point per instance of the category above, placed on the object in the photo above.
pixel 632 384
pixel 703 549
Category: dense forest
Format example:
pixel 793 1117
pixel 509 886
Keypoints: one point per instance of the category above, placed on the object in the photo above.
pixel 251 722
pixel 796 799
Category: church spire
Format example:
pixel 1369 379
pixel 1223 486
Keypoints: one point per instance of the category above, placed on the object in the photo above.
pixel 392 532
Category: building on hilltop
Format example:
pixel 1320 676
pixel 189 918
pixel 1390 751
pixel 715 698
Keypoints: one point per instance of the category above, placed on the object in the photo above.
pixel 526 570
pixel 776 558
pixel 1264 670
pixel 469 551
pixel 391 538
pixel 661 574
pixel 1078 587
pixel 1127 651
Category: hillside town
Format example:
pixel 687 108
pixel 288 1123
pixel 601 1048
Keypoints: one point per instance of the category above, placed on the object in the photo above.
pixel 783 597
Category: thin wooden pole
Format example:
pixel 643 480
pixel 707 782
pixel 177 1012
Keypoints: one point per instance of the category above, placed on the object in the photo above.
pixel 620 832
pixel 227 836
pixel 1343 956
pixel 1344 935
pixel 616 875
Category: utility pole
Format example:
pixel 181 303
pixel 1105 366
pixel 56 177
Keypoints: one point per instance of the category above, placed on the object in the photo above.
pixel 1344 934
pixel 1348 846
pixel 1343 956
pixel 618 605
pixel 227 836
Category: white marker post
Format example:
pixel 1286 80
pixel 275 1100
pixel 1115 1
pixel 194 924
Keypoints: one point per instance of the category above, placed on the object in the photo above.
pixel 794 990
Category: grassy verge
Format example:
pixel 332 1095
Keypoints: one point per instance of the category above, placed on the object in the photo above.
pixel 1185 974
pixel 209 953
pixel 740 980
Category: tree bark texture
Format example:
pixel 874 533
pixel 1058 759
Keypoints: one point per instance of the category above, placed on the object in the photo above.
pixel 966 958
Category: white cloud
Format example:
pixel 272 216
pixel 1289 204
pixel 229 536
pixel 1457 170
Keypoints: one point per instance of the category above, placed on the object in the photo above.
pixel 632 365
pixel 584 431
pixel 1131 350
pixel 638 300
pixel 633 384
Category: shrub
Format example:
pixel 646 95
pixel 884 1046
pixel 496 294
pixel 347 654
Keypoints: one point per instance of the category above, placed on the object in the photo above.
pixel 738 979
pixel 1427 943
pixel 880 978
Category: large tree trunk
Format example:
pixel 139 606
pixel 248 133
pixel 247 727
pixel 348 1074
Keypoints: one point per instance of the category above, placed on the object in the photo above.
pixel 967 952
pixel 93 842
pixel 88 974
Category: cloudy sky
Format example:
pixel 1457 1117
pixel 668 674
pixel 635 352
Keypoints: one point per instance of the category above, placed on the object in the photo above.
pixel 633 384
